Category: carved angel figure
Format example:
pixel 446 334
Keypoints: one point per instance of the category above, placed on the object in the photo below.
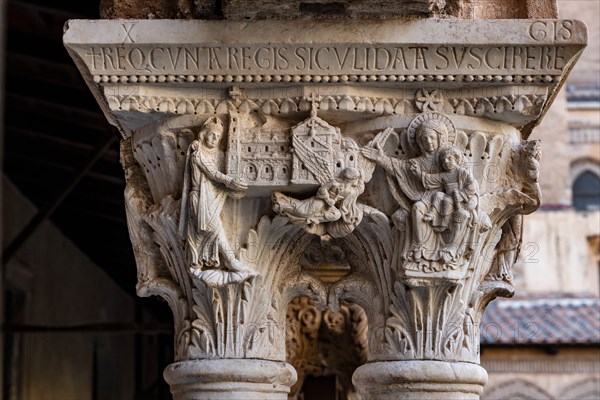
pixel 334 209
pixel 205 189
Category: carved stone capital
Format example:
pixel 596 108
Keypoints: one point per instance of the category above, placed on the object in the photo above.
pixel 392 162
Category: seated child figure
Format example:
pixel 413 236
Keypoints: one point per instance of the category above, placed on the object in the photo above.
pixel 454 204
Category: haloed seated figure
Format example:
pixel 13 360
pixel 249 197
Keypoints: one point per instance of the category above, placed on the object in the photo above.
pixel 453 206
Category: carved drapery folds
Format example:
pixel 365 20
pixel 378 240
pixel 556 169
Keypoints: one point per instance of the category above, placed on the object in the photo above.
pixel 410 174
pixel 423 266
pixel 219 311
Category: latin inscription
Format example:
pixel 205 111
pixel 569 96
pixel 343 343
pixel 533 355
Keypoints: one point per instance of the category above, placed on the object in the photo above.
pixel 132 59
pixel 556 31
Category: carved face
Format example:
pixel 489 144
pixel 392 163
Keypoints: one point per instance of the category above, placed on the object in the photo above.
pixel 212 138
pixel 449 161
pixel 350 174
pixel 428 140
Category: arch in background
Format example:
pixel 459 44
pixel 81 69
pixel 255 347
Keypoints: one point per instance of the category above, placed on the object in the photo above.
pixel 585 184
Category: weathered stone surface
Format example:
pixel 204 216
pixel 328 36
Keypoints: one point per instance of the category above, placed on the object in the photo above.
pixel 534 55
pixel 327 9
pixel 399 151
pixel 542 9
pixel 420 380
pixel 230 379
pixel 159 9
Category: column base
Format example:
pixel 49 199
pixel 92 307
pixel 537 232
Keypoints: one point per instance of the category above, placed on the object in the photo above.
pixel 230 379
pixel 420 380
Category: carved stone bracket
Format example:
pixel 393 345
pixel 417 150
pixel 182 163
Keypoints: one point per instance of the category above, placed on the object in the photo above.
pixel 384 171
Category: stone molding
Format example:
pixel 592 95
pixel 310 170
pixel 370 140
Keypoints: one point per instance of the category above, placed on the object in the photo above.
pixel 229 379
pixel 420 380
pixel 515 104
pixel 518 387
pixel 418 186
pixel 394 52
pixel 125 48
pixel 587 388
pixel 323 78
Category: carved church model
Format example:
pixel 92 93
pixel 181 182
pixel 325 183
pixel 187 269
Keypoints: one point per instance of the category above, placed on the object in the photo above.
pixel 320 140
pixel 261 158
pixel 270 159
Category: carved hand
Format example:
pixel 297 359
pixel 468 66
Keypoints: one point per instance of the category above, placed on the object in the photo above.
pixel 415 167
pixel 371 153
pixel 237 185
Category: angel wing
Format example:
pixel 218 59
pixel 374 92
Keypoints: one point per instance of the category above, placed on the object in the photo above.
pixel 367 166
pixel 380 140
pixel 317 165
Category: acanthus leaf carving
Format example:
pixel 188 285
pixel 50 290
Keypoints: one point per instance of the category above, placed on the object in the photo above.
pixel 425 257
pixel 415 170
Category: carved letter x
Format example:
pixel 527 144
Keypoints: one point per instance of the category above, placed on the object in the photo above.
pixel 127 28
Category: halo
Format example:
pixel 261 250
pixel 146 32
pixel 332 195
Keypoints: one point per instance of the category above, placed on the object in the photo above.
pixel 420 119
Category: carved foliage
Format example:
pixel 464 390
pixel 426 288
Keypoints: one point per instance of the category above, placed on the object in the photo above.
pixel 370 253
pixel 423 274
pixel 162 158
pixel 525 105
pixel 241 319
pixel 426 321
pixel 246 320
pixel 431 312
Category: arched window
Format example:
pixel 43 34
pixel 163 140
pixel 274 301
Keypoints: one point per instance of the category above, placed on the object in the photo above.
pixel 585 180
pixel 586 191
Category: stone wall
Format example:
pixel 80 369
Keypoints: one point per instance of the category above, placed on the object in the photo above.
pixel 326 9
pixel 587 70
pixel 556 255
pixel 534 373
pixel 555 178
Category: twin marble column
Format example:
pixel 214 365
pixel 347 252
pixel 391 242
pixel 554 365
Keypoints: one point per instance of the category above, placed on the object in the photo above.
pixel 401 145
